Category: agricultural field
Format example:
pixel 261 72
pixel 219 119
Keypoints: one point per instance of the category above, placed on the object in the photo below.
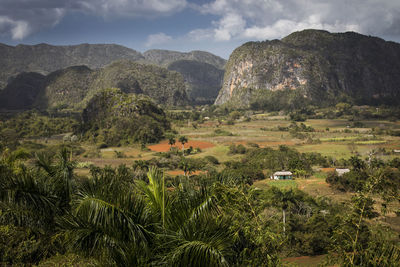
pixel 213 139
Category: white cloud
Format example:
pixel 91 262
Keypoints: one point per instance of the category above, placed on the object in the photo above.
pixel 130 8
pixel 200 34
pixel 230 25
pixel 20 18
pixel 285 27
pixel 18 29
pixel 157 39
pixel 270 19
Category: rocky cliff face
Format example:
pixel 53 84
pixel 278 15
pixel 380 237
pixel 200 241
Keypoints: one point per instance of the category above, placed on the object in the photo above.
pixel 327 67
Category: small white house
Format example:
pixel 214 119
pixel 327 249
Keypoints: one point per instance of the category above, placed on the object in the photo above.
pixel 283 175
pixel 340 172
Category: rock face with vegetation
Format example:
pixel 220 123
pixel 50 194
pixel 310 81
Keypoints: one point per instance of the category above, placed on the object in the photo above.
pixel 113 117
pixel 65 88
pixel 324 67
pixel 163 86
pixel 203 81
pixel 74 86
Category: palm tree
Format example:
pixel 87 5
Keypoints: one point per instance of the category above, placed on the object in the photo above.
pixel 109 221
pixel 282 199
pixel 130 225
pixel 196 234
pixel 186 166
pixel 155 193
pixel 26 197
pixel 60 172
pixel 183 139
pixel 171 140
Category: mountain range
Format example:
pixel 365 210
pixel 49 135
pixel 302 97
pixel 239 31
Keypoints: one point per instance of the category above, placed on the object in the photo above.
pixel 44 76
pixel 307 67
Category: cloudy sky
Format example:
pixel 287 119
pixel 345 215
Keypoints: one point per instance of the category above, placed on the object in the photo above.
pixel 217 26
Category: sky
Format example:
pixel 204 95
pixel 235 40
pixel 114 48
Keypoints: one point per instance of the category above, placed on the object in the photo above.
pixel 217 26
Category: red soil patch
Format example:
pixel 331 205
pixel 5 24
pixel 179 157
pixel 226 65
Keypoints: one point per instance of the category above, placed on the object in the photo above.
pixel 164 146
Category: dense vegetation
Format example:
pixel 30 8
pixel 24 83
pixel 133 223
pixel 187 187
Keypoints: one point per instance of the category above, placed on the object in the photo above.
pixel 33 124
pixel 115 118
pixel 138 216
pixel 212 215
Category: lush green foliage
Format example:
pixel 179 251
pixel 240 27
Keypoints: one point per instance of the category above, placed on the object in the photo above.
pixel 33 124
pixel 123 217
pixel 113 118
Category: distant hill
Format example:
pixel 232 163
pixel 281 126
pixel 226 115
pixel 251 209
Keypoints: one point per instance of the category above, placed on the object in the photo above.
pixel 324 68
pixel 22 91
pixel 45 59
pixel 74 86
pixel 166 57
pixel 203 81
pixel 163 86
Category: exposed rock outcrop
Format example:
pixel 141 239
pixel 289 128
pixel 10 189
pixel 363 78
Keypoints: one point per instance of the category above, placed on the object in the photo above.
pixel 328 67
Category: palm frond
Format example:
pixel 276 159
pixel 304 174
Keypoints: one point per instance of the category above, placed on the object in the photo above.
pixel 107 224
pixel 197 253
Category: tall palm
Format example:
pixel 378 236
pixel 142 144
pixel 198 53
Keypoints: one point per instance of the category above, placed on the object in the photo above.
pixel 282 199
pixel 186 166
pixel 171 140
pixel 183 140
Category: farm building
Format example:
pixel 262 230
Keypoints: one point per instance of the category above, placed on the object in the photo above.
pixel 340 172
pixel 282 175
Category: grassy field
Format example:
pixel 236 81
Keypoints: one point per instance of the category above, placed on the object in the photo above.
pixel 263 131
pixel 314 185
